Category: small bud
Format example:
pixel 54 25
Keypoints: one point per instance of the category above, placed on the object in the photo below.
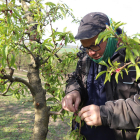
pixel 11 11
pixel 118 70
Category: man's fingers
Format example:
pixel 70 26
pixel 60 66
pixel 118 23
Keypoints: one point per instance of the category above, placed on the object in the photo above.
pixel 90 123
pixel 77 102
pixel 83 110
pixel 67 105
pixel 85 116
pixel 91 115
pixel 71 101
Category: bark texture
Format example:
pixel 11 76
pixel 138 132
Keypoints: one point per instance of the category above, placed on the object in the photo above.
pixel 41 110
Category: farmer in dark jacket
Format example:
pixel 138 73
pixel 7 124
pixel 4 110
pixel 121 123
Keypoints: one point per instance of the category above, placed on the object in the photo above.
pixel 101 106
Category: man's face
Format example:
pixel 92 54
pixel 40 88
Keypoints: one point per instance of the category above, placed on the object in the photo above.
pixel 94 54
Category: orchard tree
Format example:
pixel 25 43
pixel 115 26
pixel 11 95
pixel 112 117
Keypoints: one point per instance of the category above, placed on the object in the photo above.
pixel 26 22
pixel 22 31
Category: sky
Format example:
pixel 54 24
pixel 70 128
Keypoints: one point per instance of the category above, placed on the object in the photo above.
pixel 127 11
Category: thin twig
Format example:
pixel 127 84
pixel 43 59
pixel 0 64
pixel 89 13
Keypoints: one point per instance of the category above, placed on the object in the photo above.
pixel 3 94
pixel 24 46
pixel 56 113
pixel 79 128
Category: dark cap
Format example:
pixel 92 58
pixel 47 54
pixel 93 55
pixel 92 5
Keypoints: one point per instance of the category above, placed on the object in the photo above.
pixel 91 25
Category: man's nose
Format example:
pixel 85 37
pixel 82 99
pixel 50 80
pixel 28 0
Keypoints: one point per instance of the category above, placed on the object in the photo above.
pixel 91 52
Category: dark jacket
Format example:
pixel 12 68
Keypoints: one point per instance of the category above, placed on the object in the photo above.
pixel 122 109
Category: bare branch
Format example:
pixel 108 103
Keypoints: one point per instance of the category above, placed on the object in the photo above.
pixel 56 113
pixel 6 82
pixel 11 72
pixel 3 94
pixel 45 61
pixel 24 46
pixel 17 79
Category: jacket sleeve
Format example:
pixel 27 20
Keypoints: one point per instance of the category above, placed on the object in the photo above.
pixel 75 81
pixel 121 114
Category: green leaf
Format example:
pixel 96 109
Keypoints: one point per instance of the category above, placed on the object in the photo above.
pixel 131 65
pixel 137 72
pixel 138 135
pixel 9 21
pixel 3 62
pixel 102 35
pixel 110 62
pixel 64 30
pixel 116 64
pixel 78 119
pixel 105 38
pixel 116 77
pixel 72 37
pixel 121 74
pixel 131 57
pixel 62 11
pixel 126 71
pixel 5 51
pixel 66 40
pixel 120 48
pixel 50 4
pixel 51 99
pixel 12 59
pixel 137 40
pixel 136 52
pixel 106 77
pixel 118 25
pixel 16 13
pixel 38 28
pixel 104 63
pixel 99 74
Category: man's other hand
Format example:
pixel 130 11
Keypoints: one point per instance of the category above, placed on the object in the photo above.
pixel 71 101
pixel 91 115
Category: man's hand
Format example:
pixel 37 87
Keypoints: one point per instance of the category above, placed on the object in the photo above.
pixel 71 101
pixel 91 115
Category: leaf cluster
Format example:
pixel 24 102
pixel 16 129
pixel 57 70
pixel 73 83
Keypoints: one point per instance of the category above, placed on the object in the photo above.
pixel 132 46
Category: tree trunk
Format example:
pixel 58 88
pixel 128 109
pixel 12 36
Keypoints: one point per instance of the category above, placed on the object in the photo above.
pixel 41 110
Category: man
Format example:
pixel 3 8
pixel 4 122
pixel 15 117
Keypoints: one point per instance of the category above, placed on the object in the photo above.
pixel 99 105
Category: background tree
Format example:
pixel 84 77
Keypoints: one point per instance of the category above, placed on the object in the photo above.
pixel 22 28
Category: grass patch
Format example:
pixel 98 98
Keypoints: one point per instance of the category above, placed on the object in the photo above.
pixel 17 119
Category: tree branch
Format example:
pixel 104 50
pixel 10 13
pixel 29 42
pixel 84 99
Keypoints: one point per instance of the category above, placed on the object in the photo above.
pixel 24 46
pixel 3 94
pixel 56 113
pixel 45 61
pixel 17 79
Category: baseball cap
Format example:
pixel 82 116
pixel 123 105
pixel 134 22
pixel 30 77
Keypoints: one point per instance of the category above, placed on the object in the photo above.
pixel 91 25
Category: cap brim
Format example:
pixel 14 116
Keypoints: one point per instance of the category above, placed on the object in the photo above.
pixel 87 34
